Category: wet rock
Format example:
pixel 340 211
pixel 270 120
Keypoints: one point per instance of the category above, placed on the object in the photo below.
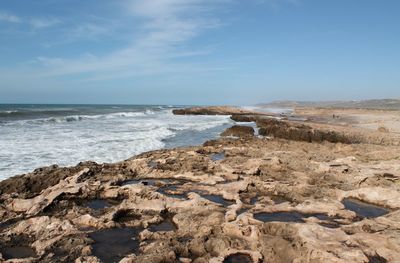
pixel 239 131
pixel 244 118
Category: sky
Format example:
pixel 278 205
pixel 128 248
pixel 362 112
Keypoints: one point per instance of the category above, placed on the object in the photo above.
pixel 198 51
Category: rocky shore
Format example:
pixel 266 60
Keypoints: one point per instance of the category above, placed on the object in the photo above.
pixel 215 110
pixel 288 191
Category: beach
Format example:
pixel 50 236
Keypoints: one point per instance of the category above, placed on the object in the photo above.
pixel 314 185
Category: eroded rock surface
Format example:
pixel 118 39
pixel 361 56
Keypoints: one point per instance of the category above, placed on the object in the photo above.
pixel 265 200
pixel 239 131
pixel 303 132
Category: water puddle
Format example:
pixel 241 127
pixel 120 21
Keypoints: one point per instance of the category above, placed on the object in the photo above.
pixel 172 191
pixel 253 200
pixel 123 216
pixel 154 182
pixel 278 199
pixel 217 156
pixel 218 199
pixel 98 204
pixel 166 225
pixel 320 216
pixel 238 258
pixel 111 245
pixel 149 182
pixel 364 210
pixel 14 252
pixel 329 224
pixel 293 217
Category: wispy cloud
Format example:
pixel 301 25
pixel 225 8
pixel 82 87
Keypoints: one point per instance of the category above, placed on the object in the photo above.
pixel 10 18
pixel 41 23
pixel 278 3
pixel 89 31
pixel 35 23
pixel 164 27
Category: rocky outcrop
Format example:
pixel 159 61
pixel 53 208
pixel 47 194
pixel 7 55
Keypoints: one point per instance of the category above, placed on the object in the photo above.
pixel 70 185
pixel 244 118
pixel 213 110
pixel 239 131
pixel 302 132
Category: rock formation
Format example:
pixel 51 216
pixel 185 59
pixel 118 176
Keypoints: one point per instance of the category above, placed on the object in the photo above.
pixel 239 131
pixel 295 195
pixel 213 110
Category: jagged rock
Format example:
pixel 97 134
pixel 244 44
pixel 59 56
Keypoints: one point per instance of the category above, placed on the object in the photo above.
pixel 37 204
pixel 244 118
pixel 239 131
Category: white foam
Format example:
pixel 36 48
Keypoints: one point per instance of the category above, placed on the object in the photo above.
pixel 66 141
pixel 72 118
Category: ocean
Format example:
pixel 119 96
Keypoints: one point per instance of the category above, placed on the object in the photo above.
pixel 33 136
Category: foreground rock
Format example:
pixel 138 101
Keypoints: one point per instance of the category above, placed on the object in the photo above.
pixel 254 199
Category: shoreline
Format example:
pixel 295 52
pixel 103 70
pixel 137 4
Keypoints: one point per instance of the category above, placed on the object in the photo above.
pixel 278 196
pixel 65 136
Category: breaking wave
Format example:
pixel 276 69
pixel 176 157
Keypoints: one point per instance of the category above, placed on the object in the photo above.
pixel 114 134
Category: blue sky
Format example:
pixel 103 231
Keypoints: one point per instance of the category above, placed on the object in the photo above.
pixel 198 51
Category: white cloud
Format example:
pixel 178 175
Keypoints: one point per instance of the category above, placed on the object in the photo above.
pixel 41 23
pixel 165 26
pixel 4 16
pixel 35 22
pixel 277 3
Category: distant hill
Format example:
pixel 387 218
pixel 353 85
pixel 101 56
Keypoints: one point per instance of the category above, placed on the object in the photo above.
pixel 381 104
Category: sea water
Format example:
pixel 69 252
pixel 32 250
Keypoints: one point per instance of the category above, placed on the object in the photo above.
pixel 32 136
